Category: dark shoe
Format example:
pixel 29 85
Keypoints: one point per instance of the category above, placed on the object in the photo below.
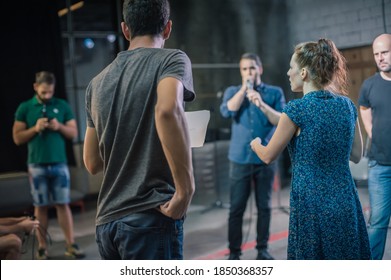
pixel 42 254
pixel 264 255
pixel 234 256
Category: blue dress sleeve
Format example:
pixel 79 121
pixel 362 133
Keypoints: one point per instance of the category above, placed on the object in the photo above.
pixel 295 111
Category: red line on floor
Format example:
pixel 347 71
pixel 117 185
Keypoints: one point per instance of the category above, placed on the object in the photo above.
pixel 245 247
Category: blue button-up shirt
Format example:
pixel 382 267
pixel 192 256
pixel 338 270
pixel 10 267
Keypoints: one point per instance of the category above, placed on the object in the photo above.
pixel 250 122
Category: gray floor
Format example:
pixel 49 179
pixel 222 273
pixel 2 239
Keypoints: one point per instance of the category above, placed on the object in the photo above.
pixel 205 229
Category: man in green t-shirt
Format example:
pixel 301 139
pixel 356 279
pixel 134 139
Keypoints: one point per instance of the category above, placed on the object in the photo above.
pixel 44 123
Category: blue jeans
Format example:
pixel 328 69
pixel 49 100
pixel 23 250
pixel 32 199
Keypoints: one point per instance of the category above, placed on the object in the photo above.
pixel 242 178
pixel 379 185
pixel 147 235
pixel 50 183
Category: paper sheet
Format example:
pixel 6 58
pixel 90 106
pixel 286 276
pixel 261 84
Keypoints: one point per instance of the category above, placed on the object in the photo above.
pixel 197 122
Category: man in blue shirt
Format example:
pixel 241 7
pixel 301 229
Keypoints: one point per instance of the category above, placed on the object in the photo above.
pixel 255 109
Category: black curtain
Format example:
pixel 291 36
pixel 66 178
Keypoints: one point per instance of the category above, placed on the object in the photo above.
pixel 31 42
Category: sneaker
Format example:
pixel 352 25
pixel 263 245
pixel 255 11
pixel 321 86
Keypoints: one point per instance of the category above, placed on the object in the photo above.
pixel 42 254
pixel 234 256
pixel 73 251
pixel 264 255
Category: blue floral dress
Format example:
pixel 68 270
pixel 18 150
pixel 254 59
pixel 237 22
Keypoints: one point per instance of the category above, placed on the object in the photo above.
pixel 326 218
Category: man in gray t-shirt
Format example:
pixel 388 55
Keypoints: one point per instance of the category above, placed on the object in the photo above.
pixel 137 135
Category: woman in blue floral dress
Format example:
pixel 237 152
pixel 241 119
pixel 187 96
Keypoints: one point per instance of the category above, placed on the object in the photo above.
pixel 322 134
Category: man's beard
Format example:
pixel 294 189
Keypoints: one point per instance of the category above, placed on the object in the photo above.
pixel 44 101
pixel 387 70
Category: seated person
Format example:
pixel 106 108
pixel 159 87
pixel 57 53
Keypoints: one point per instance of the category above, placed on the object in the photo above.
pixel 11 234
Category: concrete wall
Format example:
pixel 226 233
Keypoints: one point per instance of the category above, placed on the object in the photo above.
pixel 349 23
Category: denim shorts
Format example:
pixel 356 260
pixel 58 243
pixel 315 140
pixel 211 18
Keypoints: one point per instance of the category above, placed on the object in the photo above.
pixel 50 183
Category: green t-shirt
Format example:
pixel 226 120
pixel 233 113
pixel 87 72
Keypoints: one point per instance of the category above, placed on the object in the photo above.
pixel 47 146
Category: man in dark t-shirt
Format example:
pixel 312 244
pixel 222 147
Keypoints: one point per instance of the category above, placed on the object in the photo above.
pixel 374 101
pixel 138 136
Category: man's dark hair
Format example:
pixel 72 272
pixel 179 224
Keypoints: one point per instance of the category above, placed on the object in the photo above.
pixel 45 77
pixel 252 56
pixel 146 17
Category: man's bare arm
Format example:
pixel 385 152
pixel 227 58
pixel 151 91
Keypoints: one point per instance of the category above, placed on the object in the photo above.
pixel 21 134
pixel 357 148
pixel 173 133
pixel 91 154
pixel 366 116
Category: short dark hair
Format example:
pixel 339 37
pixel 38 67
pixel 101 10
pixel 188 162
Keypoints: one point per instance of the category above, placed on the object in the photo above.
pixel 146 17
pixel 45 77
pixel 252 56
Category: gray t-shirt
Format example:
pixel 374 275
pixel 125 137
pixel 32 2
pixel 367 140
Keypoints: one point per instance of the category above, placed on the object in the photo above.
pixel 120 105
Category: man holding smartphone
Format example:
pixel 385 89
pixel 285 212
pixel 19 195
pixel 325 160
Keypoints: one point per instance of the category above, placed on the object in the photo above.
pixel 45 122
